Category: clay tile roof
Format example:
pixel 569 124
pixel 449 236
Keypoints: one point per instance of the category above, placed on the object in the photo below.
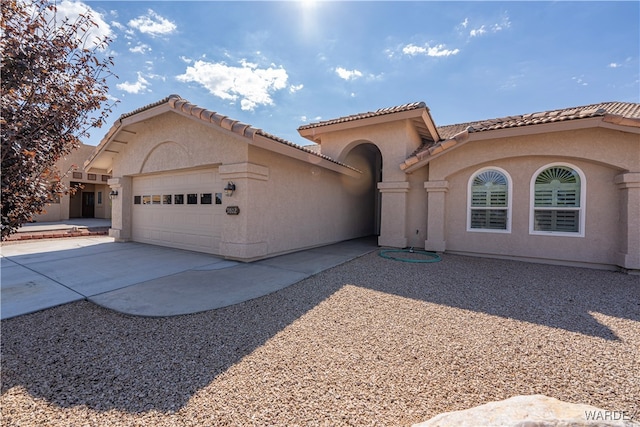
pixel 625 113
pixel 180 104
pixel 303 148
pixel 376 113
pixel 622 109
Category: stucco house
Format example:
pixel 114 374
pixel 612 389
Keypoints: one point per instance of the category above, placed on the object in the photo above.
pixel 91 199
pixel 559 186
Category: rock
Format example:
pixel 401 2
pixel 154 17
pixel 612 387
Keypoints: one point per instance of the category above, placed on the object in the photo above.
pixel 534 411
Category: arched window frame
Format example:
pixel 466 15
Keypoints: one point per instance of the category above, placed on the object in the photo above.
pixel 580 209
pixel 471 208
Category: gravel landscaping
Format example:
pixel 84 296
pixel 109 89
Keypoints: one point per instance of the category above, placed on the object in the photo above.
pixel 373 342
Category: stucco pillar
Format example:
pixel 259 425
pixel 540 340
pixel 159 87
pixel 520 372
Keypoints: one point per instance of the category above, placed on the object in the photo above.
pixel 628 255
pixel 244 235
pixel 436 215
pixel 121 206
pixel 393 224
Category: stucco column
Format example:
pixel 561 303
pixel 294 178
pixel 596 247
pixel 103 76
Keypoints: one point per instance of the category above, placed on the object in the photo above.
pixel 121 206
pixel 393 224
pixel 628 255
pixel 436 215
pixel 244 235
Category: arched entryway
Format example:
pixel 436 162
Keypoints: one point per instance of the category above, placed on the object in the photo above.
pixel 366 157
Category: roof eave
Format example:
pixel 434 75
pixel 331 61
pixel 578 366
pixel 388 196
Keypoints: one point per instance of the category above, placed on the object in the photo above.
pixel 628 124
pixel 422 158
pixel 431 125
pixel 234 128
pixel 103 145
pixel 262 141
pixel 314 133
pixel 120 125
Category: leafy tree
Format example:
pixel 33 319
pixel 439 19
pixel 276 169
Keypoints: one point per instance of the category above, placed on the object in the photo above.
pixel 54 91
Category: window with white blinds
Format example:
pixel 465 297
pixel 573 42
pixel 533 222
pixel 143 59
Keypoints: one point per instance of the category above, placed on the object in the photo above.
pixel 489 201
pixel 558 205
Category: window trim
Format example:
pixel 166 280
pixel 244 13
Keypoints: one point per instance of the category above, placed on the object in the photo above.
pixel 581 209
pixel 509 201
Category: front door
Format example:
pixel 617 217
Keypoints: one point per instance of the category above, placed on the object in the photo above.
pixel 88 205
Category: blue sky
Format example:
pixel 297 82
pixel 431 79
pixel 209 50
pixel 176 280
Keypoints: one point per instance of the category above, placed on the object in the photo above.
pixel 280 65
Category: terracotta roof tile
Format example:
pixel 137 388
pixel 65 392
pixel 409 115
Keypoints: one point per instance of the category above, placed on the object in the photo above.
pixel 613 112
pixel 360 116
pixel 623 109
pixel 178 103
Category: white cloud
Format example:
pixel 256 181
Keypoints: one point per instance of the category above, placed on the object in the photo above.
pixel 502 25
pixel 580 81
pixel 157 77
pixel 295 88
pixel 345 74
pixel 615 65
pixel 248 64
pixel 252 85
pixel 138 86
pixel 465 23
pixel 478 31
pixel 484 29
pixel 112 98
pixel 72 10
pixel 153 24
pixel 141 48
pixel 438 50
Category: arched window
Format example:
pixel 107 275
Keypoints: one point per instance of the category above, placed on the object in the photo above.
pixel 489 201
pixel 558 201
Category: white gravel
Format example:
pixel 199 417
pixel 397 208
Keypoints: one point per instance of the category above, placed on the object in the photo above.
pixel 371 342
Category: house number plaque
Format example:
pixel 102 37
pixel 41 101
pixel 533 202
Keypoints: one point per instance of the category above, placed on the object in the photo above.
pixel 233 210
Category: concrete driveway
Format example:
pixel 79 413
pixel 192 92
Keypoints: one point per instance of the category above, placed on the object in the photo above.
pixel 147 280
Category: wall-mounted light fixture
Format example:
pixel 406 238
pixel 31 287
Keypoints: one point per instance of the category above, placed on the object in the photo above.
pixel 113 194
pixel 230 188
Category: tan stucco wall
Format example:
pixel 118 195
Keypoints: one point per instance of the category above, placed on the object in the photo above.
pixel 66 209
pixel 301 205
pixel 600 154
pixel 395 140
pixel 285 204
pixel 403 205
pixel 170 142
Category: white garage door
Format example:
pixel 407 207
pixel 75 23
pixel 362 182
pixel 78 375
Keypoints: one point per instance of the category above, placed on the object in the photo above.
pixel 178 209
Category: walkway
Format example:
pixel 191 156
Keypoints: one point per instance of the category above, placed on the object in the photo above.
pixel 74 227
pixel 148 280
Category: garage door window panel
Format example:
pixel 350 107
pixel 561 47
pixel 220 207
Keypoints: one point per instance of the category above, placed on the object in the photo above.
pixel 206 199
